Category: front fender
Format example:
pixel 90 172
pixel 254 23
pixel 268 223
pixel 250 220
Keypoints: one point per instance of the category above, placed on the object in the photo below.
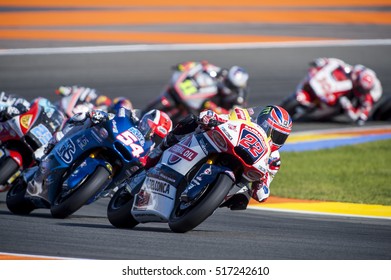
pixel 86 168
pixel 206 175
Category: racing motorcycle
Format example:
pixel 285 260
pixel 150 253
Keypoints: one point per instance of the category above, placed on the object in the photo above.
pixel 317 96
pixel 194 177
pixel 83 166
pixel 184 94
pixel 21 135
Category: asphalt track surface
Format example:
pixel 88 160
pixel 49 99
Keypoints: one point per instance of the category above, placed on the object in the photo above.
pixel 140 75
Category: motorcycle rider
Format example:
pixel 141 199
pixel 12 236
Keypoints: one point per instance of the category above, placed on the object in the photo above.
pixel 12 105
pixel 357 87
pixel 274 120
pixel 154 126
pixel 75 99
pixel 230 84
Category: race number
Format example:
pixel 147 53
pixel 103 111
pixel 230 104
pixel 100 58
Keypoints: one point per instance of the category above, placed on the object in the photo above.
pixel 129 139
pixel 252 143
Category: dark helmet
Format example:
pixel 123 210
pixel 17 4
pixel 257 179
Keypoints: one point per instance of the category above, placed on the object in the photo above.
pixel 277 124
pixel 155 125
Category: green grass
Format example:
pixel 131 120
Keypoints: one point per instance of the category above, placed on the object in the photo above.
pixel 357 173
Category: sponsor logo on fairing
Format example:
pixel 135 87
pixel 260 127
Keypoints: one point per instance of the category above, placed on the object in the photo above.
pixel 181 151
pixel 66 151
pixel 156 185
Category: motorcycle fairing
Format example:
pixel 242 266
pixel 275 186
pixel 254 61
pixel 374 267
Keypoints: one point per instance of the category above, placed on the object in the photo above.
pixel 156 197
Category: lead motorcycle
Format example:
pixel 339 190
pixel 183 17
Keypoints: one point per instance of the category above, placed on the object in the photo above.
pixel 317 95
pixel 193 177
pixel 22 135
pixel 82 167
pixel 185 94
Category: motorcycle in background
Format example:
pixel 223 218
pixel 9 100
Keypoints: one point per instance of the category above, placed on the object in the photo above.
pixel 82 167
pixel 184 94
pixel 317 95
pixel 21 135
pixel 193 177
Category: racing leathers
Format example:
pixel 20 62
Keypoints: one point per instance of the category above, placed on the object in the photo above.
pixel 258 190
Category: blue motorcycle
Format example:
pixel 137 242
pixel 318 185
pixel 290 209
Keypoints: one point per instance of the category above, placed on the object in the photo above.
pixel 83 166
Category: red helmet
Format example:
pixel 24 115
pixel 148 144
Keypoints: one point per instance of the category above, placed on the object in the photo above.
pixel 155 125
pixel 277 124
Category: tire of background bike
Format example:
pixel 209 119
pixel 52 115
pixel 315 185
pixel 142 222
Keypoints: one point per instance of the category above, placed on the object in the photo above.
pixel 16 201
pixel 290 105
pixel 80 196
pixel 8 167
pixel 119 208
pixel 203 208
pixel 383 112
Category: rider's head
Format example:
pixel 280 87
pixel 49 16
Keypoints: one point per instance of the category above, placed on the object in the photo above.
pixel 234 81
pixel 120 102
pixel 155 125
pixel 363 79
pixel 277 124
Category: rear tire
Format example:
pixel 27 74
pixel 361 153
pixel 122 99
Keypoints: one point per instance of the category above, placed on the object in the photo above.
pixel 64 206
pixel 16 201
pixel 184 220
pixel 119 209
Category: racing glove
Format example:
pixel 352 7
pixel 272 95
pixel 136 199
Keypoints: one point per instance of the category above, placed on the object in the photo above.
pixel 98 116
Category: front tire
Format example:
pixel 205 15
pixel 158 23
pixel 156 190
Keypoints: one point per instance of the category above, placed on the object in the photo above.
pixel 183 220
pixel 16 201
pixel 8 167
pixel 119 209
pixel 291 105
pixel 63 206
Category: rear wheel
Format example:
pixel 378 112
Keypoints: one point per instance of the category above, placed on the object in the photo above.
pixel 186 217
pixel 8 167
pixel 16 201
pixel 119 209
pixel 66 204
pixel 291 105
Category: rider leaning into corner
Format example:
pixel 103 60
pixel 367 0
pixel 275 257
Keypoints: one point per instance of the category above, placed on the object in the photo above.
pixel 274 120
pixel 357 87
pixel 230 84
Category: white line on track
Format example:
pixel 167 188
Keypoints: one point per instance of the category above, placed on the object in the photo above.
pixel 194 47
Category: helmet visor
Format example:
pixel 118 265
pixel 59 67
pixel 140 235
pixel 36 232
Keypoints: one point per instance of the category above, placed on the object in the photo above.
pixel 278 137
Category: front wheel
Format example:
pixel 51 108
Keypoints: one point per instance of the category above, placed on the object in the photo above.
pixel 183 219
pixel 16 201
pixel 8 167
pixel 119 209
pixel 66 204
pixel 291 105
